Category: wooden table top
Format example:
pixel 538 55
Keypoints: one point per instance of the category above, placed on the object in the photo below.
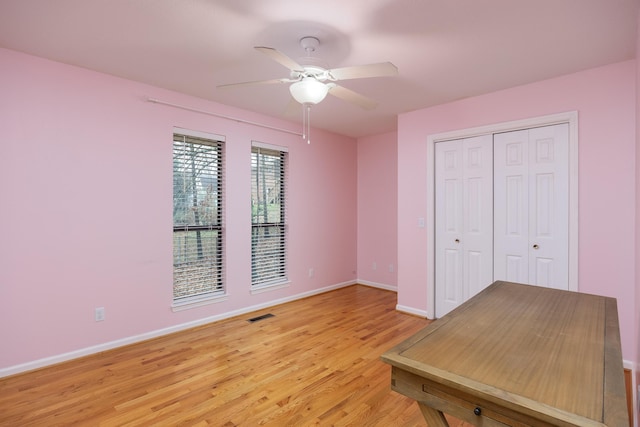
pixel 529 348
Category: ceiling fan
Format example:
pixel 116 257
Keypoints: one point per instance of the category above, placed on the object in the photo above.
pixel 311 83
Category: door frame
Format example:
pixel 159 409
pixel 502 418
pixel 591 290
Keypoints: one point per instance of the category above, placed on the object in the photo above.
pixel 569 117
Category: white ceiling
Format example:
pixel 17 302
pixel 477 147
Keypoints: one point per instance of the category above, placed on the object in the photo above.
pixel 444 49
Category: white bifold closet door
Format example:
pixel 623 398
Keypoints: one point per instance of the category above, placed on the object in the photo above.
pixel 531 206
pixel 464 221
pixel 501 212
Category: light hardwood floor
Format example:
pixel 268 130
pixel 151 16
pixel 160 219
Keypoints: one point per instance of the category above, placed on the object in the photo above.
pixel 316 362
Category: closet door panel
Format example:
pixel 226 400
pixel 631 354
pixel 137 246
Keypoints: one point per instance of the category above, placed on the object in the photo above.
pixel 477 206
pixel 511 199
pixel 464 221
pixel 476 271
pixel 452 277
pixel 544 272
pixel 549 206
pixel 448 221
pixel 516 269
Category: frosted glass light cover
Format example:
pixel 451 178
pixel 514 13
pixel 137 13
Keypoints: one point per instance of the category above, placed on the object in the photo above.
pixel 308 91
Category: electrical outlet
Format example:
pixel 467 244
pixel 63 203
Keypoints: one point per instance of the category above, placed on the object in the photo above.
pixel 390 268
pixel 311 272
pixel 374 266
pixel 99 314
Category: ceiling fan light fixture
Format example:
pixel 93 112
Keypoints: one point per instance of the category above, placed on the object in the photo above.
pixel 308 91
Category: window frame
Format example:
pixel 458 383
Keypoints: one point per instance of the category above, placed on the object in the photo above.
pixel 282 279
pixel 219 293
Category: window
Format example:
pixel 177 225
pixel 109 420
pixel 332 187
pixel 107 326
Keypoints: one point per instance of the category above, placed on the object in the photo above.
pixel 197 218
pixel 268 215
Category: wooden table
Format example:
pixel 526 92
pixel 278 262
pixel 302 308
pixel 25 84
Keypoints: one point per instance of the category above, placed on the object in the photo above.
pixel 517 355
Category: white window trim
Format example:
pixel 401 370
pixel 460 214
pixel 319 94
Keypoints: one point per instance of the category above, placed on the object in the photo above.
pixel 200 300
pixel 198 134
pixel 269 146
pixel 269 287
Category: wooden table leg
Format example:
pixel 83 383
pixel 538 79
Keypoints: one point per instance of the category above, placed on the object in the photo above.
pixel 433 417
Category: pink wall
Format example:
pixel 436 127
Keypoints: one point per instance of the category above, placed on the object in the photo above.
pixel 605 100
pixel 85 208
pixel 637 309
pixel 85 201
pixel 377 210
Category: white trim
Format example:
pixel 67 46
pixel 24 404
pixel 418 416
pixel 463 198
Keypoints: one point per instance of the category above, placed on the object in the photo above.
pixel 47 361
pixel 411 310
pixel 266 288
pixel 269 146
pixel 378 285
pixel 570 117
pixel 198 302
pixel 198 134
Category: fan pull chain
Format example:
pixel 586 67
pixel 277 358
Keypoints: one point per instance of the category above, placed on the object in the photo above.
pixel 306 122
pixel 304 125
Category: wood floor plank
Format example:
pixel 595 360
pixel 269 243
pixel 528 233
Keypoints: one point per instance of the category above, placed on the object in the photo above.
pixel 315 362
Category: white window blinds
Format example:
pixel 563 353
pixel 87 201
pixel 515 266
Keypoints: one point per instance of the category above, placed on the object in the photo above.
pixel 197 217
pixel 268 216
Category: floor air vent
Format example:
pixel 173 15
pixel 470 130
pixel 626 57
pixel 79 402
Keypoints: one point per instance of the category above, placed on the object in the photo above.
pixel 264 316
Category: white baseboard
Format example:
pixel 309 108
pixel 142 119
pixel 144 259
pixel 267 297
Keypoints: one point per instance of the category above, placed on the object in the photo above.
pixel 411 310
pixel 378 285
pixel 47 361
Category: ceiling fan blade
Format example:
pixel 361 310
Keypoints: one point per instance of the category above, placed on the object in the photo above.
pixel 351 96
pixel 380 69
pixel 257 82
pixel 280 58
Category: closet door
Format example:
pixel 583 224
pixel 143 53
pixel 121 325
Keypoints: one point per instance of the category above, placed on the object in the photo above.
pixel 463 220
pixel 531 208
